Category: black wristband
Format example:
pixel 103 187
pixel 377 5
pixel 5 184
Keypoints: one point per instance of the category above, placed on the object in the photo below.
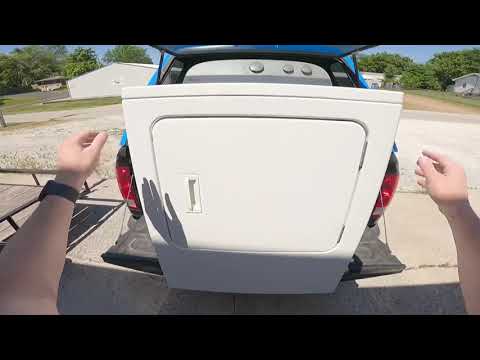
pixel 58 189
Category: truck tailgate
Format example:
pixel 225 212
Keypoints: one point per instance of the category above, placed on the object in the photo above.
pixel 266 188
pixel 134 250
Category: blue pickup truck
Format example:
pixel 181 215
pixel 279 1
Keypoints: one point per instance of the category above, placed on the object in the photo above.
pixel 179 64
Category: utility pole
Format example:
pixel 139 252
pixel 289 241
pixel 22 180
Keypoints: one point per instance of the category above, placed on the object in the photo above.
pixel 2 120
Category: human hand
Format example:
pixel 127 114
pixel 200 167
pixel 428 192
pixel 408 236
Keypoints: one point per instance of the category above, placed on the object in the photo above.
pixel 78 156
pixel 445 182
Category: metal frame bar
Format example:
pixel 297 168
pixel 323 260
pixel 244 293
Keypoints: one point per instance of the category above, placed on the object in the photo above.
pixel 33 172
pixel 160 66
pixel 87 188
pixel 357 71
pixel 359 50
pixel 12 223
pixel 167 49
pixel 18 209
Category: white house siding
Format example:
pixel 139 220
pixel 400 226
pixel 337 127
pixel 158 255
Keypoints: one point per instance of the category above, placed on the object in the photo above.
pixel 374 80
pixel 467 83
pixel 109 80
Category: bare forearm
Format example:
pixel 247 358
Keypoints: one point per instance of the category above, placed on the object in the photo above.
pixel 32 262
pixel 465 227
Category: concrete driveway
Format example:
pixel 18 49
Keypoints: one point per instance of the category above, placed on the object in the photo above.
pixel 417 234
pixel 420 238
pixel 453 134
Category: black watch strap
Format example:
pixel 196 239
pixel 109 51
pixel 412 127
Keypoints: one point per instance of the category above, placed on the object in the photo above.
pixel 62 190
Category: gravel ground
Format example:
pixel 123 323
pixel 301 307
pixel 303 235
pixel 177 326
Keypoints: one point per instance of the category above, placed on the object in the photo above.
pixel 35 144
pixel 89 286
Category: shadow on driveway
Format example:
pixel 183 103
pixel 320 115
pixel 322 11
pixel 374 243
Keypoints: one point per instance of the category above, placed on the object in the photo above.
pixel 87 218
pixel 87 289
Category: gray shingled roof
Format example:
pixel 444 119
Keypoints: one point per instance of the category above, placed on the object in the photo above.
pixel 52 78
pixel 468 75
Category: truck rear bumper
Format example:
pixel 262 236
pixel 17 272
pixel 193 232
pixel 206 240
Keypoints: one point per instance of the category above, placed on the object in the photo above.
pixel 372 258
pixel 134 250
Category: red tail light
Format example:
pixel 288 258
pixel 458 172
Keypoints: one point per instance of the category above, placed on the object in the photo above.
pixel 126 186
pixel 387 190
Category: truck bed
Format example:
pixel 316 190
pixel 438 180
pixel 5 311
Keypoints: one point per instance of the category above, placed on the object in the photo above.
pixel 134 250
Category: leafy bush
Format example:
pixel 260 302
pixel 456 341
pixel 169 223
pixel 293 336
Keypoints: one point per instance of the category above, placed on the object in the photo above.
pixel 80 61
pixel 447 66
pixel 128 54
pixel 381 62
pixel 419 76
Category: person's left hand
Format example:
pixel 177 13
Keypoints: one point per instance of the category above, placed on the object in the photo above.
pixel 78 156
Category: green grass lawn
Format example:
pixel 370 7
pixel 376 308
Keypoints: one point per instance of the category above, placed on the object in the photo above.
pixel 29 107
pixel 15 101
pixel 448 97
pixel 31 125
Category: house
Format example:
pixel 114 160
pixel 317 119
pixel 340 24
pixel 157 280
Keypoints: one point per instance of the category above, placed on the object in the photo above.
pixel 467 84
pixel 109 80
pixel 50 83
pixel 374 80
pixel 377 80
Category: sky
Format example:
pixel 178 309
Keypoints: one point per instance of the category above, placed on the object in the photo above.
pixel 419 53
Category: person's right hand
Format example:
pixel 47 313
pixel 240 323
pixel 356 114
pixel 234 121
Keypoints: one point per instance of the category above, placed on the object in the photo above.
pixel 444 180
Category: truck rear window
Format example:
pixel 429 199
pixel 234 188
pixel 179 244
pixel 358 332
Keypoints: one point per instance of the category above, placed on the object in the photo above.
pixel 340 76
pixel 274 71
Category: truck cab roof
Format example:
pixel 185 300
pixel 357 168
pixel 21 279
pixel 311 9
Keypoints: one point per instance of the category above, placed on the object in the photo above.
pixel 336 51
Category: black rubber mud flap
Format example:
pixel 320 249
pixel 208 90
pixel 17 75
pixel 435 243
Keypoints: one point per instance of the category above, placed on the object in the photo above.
pixel 134 250
pixel 372 258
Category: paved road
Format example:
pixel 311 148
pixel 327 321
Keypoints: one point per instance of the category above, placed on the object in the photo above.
pixel 439 116
pixel 456 135
pixel 420 238
pixel 85 114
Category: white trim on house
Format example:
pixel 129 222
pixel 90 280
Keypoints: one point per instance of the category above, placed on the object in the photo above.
pixel 153 66
pixel 467 75
pixel 110 79
pixel 121 63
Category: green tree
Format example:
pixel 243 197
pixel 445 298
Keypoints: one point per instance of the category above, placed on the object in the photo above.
pixel 390 72
pixel 36 62
pixel 448 65
pixel 127 53
pixel 381 61
pixel 60 53
pixel 419 76
pixel 80 61
pixel 23 66
pixel 10 74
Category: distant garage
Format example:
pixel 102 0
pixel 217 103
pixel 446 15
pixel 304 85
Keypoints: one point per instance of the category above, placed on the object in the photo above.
pixel 109 80
pixel 467 84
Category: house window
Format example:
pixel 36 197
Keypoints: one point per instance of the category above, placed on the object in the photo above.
pixel 464 85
